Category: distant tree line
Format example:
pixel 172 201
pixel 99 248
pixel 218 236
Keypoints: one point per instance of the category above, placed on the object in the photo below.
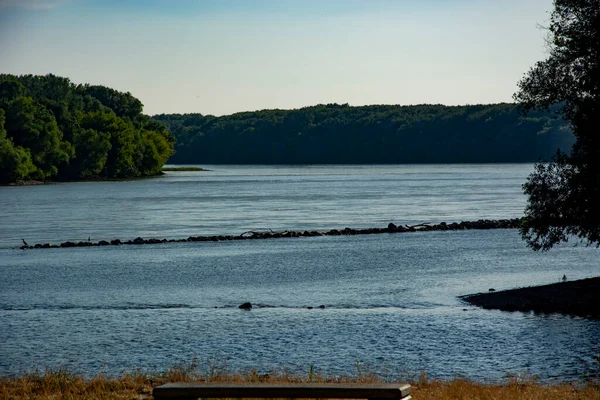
pixel 51 128
pixel 340 134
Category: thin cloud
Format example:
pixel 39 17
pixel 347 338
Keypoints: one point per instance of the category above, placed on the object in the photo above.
pixel 31 4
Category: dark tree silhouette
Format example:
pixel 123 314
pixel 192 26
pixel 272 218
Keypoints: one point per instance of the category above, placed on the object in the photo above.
pixel 377 134
pixel 564 195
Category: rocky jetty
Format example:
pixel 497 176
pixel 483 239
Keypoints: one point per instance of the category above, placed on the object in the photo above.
pixel 580 298
pixel 251 235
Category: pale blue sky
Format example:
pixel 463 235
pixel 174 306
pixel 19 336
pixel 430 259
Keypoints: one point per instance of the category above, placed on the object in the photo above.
pixel 223 56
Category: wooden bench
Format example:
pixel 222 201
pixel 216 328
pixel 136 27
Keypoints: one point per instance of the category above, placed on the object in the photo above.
pixel 193 391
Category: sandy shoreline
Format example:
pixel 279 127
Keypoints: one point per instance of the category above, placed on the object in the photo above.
pixel 579 298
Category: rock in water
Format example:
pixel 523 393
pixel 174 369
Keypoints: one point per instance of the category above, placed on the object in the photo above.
pixel 246 306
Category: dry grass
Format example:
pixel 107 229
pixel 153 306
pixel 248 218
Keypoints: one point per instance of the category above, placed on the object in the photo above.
pixel 60 384
pixel 466 390
pixel 64 385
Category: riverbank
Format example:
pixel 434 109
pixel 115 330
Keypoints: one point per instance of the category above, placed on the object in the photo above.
pixel 136 385
pixel 187 169
pixel 30 182
pixel 580 298
pixel 391 228
pixel 33 182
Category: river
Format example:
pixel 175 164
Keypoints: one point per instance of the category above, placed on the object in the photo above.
pixel 390 300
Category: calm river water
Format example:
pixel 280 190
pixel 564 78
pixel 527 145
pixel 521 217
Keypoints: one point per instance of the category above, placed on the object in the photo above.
pixel 390 300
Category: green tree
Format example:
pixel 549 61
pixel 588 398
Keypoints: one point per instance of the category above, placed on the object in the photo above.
pixel 155 151
pixel 564 195
pixel 117 136
pixel 15 161
pixel 91 152
pixel 32 126
pixel 10 88
pixel 122 104
pixel 368 134
pixel 52 128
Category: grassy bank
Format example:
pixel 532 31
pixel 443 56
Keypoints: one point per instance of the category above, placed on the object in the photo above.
pixel 136 385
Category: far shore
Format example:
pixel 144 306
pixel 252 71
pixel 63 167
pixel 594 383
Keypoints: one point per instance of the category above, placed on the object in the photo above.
pixel 50 181
pixel 579 298
pixel 170 169
pixel 33 182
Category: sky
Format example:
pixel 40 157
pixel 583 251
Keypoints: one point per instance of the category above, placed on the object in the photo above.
pixel 224 56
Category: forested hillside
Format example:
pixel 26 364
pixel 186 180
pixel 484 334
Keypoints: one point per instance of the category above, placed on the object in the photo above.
pixel 51 128
pixel 343 134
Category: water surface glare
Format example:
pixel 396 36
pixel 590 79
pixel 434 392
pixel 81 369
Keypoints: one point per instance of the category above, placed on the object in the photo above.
pixel 235 199
pixel 390 300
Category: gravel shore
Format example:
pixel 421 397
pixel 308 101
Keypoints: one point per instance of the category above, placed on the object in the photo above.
pixel 580 298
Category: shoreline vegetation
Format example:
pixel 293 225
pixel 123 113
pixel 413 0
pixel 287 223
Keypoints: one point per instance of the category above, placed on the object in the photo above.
pixel 254 235
pixel 54 130
pixel 580 298
pixel 53 384
pixel 373 134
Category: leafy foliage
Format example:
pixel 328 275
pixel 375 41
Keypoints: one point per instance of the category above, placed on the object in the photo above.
pixel 563 196
pixel 52 128
pixel 33 127
pixel 340 134
pixel 15 161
